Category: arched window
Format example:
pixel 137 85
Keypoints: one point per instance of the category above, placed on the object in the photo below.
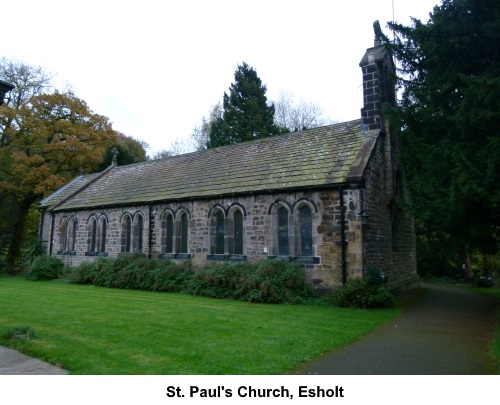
pixel 219 233
pixel 92 239
pixel 101 235
pixel 306 241
pixel 238 232
pixel 63 234
pixel 138 233
pixel 184 233
pixel 283 239
pixel 167 231
pixel 71 235
pixel 126 234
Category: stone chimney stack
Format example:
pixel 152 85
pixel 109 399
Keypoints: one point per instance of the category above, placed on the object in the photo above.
pixel 379 85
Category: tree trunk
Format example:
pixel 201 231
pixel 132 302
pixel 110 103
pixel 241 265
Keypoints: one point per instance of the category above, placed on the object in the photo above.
pixel 465 258
pixel 14 252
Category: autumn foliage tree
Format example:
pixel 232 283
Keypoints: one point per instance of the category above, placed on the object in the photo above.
pixel 45 142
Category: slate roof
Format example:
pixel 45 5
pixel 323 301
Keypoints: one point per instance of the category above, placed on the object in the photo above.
pixel 68 190
pixel 313 158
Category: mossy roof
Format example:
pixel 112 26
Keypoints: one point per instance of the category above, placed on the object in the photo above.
pixel 308 159
pixel 68 190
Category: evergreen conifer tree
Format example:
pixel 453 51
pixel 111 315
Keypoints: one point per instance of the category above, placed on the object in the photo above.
pixel 246 114
pixel 449 112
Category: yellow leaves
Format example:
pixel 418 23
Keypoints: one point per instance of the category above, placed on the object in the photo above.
pixel 55 136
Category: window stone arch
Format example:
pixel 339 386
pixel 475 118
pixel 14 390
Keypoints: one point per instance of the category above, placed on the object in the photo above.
pixel 71 235
pixel 167 231
pixel 126 233
pixel 63 233
pixel 138 232
pixel 305 231
pixel 235 233
pixel 305 215
pixel 182 227
pixel 92 234
pixel 282 242
pixel 217 217
pixel 102 231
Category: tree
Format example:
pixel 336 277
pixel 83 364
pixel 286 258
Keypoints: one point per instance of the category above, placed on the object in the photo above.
pixel 28 81
pixel 246 114
pixel 51 138
pixel 291 116
pixel 201 134
pixel 129 150
pixel 449 113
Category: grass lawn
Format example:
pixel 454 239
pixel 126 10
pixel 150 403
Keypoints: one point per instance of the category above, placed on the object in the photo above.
pixel 92 330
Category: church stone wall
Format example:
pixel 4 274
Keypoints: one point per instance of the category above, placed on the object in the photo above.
pixel 260 231
pixel 388 237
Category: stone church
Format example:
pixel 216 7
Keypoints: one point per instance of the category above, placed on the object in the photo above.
pixel 327 198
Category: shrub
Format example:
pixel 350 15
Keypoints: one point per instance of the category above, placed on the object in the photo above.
pixel 362 292
pixel 129 272
pixel 2 264
pixel 270 281
pixel 220 279
pixel 167 276
pixel 134 271
pixel 103 272
pixel 484 282
pixel 32 249
pixel 45 267
pixel 276 281
pixel 83 274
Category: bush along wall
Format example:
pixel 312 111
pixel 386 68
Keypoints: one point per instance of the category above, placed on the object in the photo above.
pixel 45 267
pixel 363 292
pixel 270 281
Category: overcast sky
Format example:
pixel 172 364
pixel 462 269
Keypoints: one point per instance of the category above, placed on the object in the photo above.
pixel 154 68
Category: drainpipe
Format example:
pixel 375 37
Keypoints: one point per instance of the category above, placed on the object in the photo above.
pixel 342 236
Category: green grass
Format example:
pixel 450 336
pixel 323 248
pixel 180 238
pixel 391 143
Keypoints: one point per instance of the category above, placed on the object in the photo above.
pixel 92 330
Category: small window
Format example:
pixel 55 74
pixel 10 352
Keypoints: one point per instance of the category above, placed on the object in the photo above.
pixel 138 233
pixel 305 218
pixel 63 234
pixel 168 233
pixel 184 233
pixel 91 245
pixel 71 235
pixel 238 233
pixel 126 233
pixel 101 235
pixel 219 233
pixel 283 243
